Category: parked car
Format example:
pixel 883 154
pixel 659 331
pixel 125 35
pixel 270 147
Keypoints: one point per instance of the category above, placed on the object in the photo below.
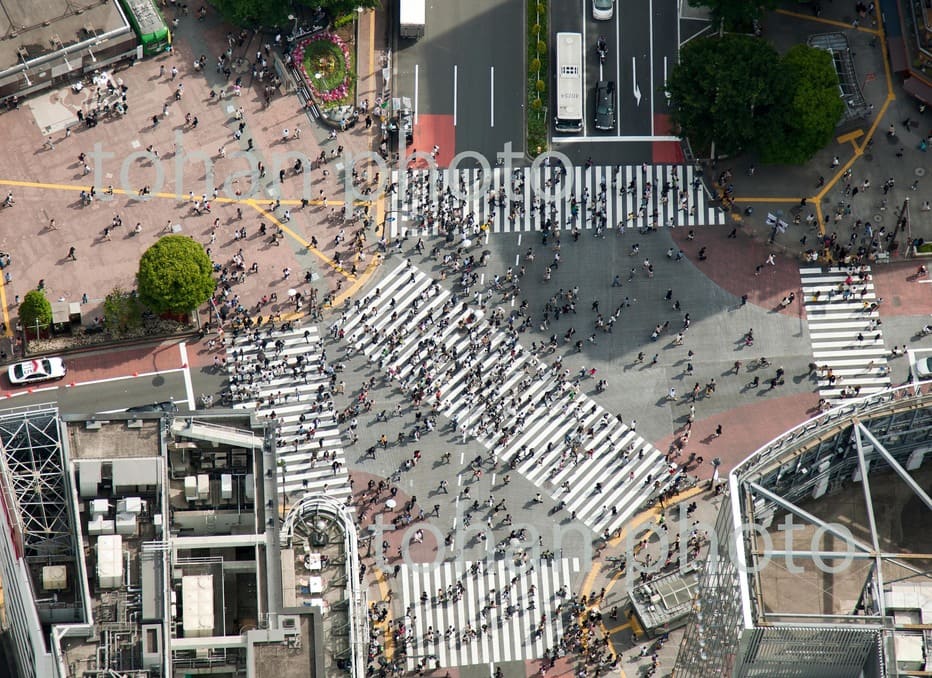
pixel 605 105
pixel 33 371
pixel 603 10
pixel 924 367
pixel 166 406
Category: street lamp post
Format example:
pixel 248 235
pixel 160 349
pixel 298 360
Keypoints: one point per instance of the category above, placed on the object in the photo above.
pixel 294 27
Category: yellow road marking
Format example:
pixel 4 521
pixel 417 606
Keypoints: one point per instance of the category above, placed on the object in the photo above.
pixel 363 278
pixel 620 627
pixel 250 202
pixel 389 642
pixel 830 22
pixel 635 625
pixel 298 238
pixel 850 136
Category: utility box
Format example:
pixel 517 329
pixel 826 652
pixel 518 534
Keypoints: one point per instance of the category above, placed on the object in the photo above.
pixel 412 18
pixel 226 486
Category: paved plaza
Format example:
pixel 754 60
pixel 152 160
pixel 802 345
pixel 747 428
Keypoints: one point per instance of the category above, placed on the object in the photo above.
pixel 508 390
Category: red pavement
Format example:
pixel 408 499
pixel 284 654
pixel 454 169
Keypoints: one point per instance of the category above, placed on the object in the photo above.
pixel 730 263
pixel 744 429
pixel 109 363
pixel 425 552
pixel 434 130
pixel 665 151
pixel 901 290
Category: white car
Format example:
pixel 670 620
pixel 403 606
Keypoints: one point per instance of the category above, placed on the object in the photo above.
pixel 603 10
pixel 924 368
pixel 40 369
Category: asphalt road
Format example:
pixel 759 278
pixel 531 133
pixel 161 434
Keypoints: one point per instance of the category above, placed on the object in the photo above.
pixel 469 66
pixel 642 39
pixel 114 395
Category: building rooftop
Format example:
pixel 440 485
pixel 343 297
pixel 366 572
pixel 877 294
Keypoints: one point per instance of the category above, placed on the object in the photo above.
pixel 31 29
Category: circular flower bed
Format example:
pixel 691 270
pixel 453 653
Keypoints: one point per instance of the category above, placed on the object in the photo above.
pixel 326 66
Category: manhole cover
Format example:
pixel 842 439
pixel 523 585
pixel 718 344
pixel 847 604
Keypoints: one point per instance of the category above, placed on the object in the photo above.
pixel 877 218
pixel 920 171
pixel 868 156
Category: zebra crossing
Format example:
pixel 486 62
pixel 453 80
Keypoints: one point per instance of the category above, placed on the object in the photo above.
pixel 479 612
pixel 847 339
pixel 521 202
pixel 309 453
pixel 562 441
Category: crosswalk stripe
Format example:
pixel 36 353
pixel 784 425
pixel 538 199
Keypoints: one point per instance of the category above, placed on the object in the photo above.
pixel 289 395
pixel 835 324
pixel 507 637
pixel 411 202
pixel 391 325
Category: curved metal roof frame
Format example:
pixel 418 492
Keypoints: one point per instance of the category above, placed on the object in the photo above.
pixel 746 490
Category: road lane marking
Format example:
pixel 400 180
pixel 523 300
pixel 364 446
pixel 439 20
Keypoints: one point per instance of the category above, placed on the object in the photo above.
pixel 617 126
pixel 186 366
pixel 455 71
pixel 492 98
pixel 634 80
pixel 622 138
pixel 416 90
pixel 650 33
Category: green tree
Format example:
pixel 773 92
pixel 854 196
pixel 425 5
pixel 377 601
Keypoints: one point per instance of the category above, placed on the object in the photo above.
pixel 811 108
pixel 175 275
pixel 255 13
pixel 720 89
pixel 35 309
pixel 122 310
pixel 338 8
pixel 735 15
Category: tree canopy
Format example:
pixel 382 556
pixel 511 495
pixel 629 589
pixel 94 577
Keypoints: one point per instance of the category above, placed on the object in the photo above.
pixel 736 92
pixel 175 275
pixel 122 311
pixel 735 15
pixel 811 107
pixel 720 88
pixel 35 309
pixel 276 12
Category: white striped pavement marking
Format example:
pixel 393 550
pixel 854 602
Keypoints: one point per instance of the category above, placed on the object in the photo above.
pixel 289 395
pixel 410 308
pixel 844 331
pixel 415 209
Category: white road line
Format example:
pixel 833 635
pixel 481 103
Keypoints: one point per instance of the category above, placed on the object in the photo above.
pixel 650 55
pixel 188 386
pixel 692 37
pixel 416 90
pixel 455 71
pixel 622 138
pixel 140 375
pixel 634 80
pixel 492 96
pixel 618 71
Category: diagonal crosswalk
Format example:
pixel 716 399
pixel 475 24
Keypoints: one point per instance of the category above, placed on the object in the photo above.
pixel 284 375
pixel 845 331
pixel 517 200
pixel 439 349
pixel 465 612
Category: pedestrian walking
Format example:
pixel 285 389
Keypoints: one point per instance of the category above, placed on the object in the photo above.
pixel 71 254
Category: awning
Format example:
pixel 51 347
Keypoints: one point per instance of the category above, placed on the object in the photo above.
pixel 897 49
pixel 919 89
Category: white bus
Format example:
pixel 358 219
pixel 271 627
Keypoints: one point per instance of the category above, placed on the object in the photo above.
pixel 569 96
